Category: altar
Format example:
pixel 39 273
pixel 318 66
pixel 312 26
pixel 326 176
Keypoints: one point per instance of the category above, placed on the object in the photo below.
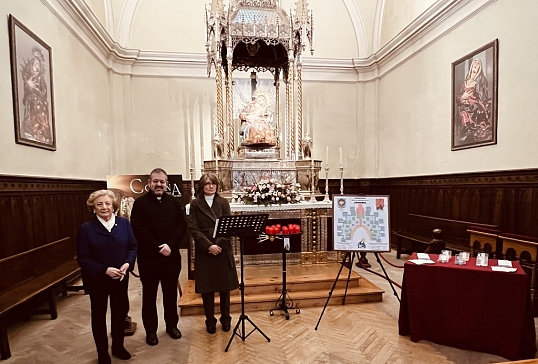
pixel 313 246
pixel 260 136
pixel 236 175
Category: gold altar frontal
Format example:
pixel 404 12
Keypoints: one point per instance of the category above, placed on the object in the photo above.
pixel 316 220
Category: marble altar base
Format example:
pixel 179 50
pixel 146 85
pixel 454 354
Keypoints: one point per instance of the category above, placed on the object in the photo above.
pixel 238 174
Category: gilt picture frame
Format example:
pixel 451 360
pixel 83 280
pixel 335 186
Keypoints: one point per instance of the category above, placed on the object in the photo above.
pixel 475 98
pixel 32 85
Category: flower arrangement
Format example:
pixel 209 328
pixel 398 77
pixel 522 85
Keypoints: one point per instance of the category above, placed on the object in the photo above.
pixel 270 192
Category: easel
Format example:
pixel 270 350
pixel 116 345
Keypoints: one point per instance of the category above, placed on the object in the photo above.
pixel 241 226
pixel 348 262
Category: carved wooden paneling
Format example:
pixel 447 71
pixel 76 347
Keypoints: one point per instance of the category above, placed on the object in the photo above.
pixel 507 199
pixel 35 211
pixel 509 211
pixel 497 210
pixel 475 207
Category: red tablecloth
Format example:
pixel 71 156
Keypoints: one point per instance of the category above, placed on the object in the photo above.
pixel 468 307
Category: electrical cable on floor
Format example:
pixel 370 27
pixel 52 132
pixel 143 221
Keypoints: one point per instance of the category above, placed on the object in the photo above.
pixel 359 264
pixel 391 264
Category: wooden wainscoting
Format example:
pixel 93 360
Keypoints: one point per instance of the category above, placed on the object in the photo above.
pixel 506 199
pixel 35 211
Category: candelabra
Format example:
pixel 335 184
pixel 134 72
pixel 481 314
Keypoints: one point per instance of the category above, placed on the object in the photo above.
pixel 341 179
pixel 327 198
pixel 193 191
pixel 313 183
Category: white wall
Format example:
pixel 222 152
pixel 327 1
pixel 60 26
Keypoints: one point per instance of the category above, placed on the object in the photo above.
pixel 169 25
pixel 415 99
pixel 81 102
pixel 169 116
pixel 399 125
pixel 331 110
pixel 397 14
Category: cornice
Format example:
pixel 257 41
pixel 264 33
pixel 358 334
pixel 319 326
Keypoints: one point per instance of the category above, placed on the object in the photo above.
pixel 430 26
pixel 525 177
pixel 15 184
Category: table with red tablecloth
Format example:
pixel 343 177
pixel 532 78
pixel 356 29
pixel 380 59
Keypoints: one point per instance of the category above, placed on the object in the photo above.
pixel 468 307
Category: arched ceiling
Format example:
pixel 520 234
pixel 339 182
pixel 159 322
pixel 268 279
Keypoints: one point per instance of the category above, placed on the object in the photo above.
pixel 354 40
pixel 343 28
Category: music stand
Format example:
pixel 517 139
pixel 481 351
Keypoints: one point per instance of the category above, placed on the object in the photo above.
pixel 241 226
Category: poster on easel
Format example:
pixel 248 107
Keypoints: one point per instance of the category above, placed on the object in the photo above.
pixel 361 223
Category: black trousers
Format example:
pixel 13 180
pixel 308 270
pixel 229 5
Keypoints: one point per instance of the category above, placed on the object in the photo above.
pixel 209 308
pixel 119 308
pixel 150 285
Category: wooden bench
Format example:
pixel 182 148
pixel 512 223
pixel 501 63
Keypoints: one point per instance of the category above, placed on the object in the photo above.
pixel 485 240
pixel 524 249
pixel 36 271
pixel 419 232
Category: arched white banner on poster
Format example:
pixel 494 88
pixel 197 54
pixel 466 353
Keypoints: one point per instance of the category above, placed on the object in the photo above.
pixel 361 223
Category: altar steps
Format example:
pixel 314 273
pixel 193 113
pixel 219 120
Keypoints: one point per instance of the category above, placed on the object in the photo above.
pixel 263 286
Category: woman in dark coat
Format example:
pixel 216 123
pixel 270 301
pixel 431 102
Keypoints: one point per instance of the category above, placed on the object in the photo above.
pixel 106 252
pixel 214 260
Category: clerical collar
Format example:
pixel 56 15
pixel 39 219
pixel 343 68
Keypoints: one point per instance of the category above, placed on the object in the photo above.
pixel 159 198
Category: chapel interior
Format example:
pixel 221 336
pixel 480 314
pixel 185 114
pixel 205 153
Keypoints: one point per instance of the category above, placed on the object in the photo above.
pixel 339 97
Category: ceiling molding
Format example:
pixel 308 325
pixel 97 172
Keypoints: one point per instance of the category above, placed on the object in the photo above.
pixel 358 26
pixel 126 21
pixel 378 25
pixel 430 26
pixel 437 21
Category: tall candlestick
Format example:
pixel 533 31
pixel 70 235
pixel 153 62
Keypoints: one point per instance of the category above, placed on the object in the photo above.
pixel 327 156
pixel 193 191
pixel 327 199
pixel 340 156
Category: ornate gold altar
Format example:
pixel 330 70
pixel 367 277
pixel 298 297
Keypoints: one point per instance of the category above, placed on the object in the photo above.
pixel 316 225
pixel 253 139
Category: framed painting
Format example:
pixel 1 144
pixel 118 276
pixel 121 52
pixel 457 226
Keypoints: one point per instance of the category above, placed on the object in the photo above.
pixel 31 76
pixel 474 98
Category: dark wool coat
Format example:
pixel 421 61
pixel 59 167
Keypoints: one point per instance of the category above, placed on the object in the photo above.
pixel 213 273
pixel 98 249
pixel 154 223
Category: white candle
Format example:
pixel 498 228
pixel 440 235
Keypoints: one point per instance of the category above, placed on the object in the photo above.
pixel 340 156
pixel 190 154
pixel 327 156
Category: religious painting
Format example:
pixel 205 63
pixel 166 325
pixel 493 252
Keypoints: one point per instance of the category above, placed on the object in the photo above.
pixel 474 98
pixel 254 107
pixel 31 76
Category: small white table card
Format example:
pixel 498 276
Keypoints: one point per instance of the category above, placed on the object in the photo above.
pixel 423 258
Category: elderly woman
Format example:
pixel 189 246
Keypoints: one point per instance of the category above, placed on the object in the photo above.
pixel 106 252
pixel 214 260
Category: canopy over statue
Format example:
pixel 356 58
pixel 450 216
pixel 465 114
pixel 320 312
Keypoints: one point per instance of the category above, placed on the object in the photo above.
pixel 257 131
